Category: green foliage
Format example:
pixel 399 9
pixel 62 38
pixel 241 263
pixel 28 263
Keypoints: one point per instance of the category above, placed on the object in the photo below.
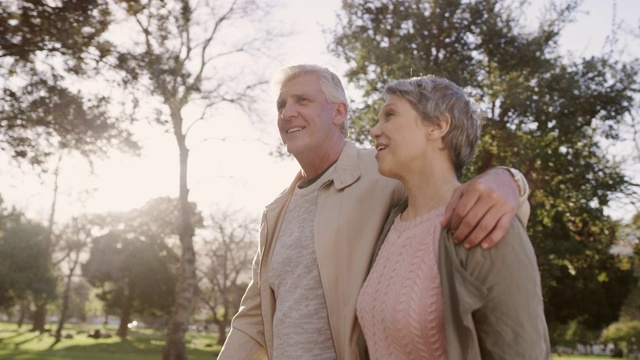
pixel 44 49
pixel 625 335
pixel 571 333
pixel 79 301
pixel 156 222
pixel 579 357
pixel 25 270
pixel 135 263
pixel 545 115
pixel 130 270
pixel 635 222
pixel 69 28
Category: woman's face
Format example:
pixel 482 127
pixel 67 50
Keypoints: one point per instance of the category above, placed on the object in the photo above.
pixel 400 138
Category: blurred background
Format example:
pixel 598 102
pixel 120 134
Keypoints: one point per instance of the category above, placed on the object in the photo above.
pixel 136 132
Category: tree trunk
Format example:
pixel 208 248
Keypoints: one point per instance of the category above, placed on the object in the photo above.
pixel 175 347
pixel 224 322
pixel 24 307
pixel 125 316
pixel 39 317
pixel 222 332
pixel 63 314
pixel 65 300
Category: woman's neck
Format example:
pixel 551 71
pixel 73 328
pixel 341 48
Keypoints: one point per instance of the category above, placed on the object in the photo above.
pixel 428 191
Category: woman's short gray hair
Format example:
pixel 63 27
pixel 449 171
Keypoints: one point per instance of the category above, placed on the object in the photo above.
pixel 329 83
pixel 436 99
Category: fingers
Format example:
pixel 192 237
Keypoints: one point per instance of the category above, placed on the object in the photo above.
pixel 464 199
pixel 490 229
pixel 498 232
pixel 481 217
pixel 473 216
pixel 481 210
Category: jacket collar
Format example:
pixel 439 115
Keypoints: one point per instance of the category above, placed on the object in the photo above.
pixel 347 170
pixel 345 173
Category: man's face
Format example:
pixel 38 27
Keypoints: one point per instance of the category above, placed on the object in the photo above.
pixel 306 119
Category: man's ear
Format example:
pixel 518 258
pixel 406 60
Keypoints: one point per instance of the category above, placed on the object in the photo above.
pixel 340 113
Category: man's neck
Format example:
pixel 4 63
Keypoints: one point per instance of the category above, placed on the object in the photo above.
pixel 317 164
pixel 305 182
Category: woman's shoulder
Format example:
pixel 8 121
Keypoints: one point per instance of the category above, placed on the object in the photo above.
pixel 510 254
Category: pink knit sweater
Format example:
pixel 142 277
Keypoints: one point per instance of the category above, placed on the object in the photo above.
pixel 400 304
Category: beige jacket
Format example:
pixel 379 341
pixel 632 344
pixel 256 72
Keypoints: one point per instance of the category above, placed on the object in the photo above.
pixel 356 202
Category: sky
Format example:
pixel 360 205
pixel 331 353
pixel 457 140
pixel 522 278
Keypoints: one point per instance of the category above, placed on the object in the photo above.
pixel 231 166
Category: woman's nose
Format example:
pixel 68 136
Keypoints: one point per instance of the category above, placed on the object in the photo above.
pixel 375 131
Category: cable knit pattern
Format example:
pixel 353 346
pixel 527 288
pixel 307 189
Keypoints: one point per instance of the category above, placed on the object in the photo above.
pixel 400 304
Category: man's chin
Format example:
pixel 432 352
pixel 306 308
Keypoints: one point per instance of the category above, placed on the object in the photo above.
pixel 293 148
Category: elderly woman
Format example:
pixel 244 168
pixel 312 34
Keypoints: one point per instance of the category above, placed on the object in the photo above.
pixel 426 298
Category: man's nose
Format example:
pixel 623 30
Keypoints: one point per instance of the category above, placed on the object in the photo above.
pixel 288 111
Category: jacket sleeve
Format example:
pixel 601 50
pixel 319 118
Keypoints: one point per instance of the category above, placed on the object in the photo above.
pixel 246 339
pixel 524 209
pixel 510 321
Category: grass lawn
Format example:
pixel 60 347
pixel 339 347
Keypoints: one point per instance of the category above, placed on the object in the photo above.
pixel 142 344
pixel 581 357
pixel 20 344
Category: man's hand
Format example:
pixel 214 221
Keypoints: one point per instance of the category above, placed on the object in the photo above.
pixel 480 210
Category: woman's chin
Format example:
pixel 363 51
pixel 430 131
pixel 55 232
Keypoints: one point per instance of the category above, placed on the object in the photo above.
pixel 385 172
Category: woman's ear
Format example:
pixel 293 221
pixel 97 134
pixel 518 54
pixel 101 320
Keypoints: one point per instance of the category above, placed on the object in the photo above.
pixel 439 128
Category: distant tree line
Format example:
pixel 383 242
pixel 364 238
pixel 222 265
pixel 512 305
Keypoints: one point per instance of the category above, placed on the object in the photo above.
pixel 130 260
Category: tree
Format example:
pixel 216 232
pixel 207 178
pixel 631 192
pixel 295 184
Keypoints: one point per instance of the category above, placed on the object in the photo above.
pixel 133 277
pixel 136 262
pixel 25 271
pixel 182 54
pixel 45 48
pixel 76 237
pixel 628 243
pixel 229 248
pixel 546 115
pixel 625 335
